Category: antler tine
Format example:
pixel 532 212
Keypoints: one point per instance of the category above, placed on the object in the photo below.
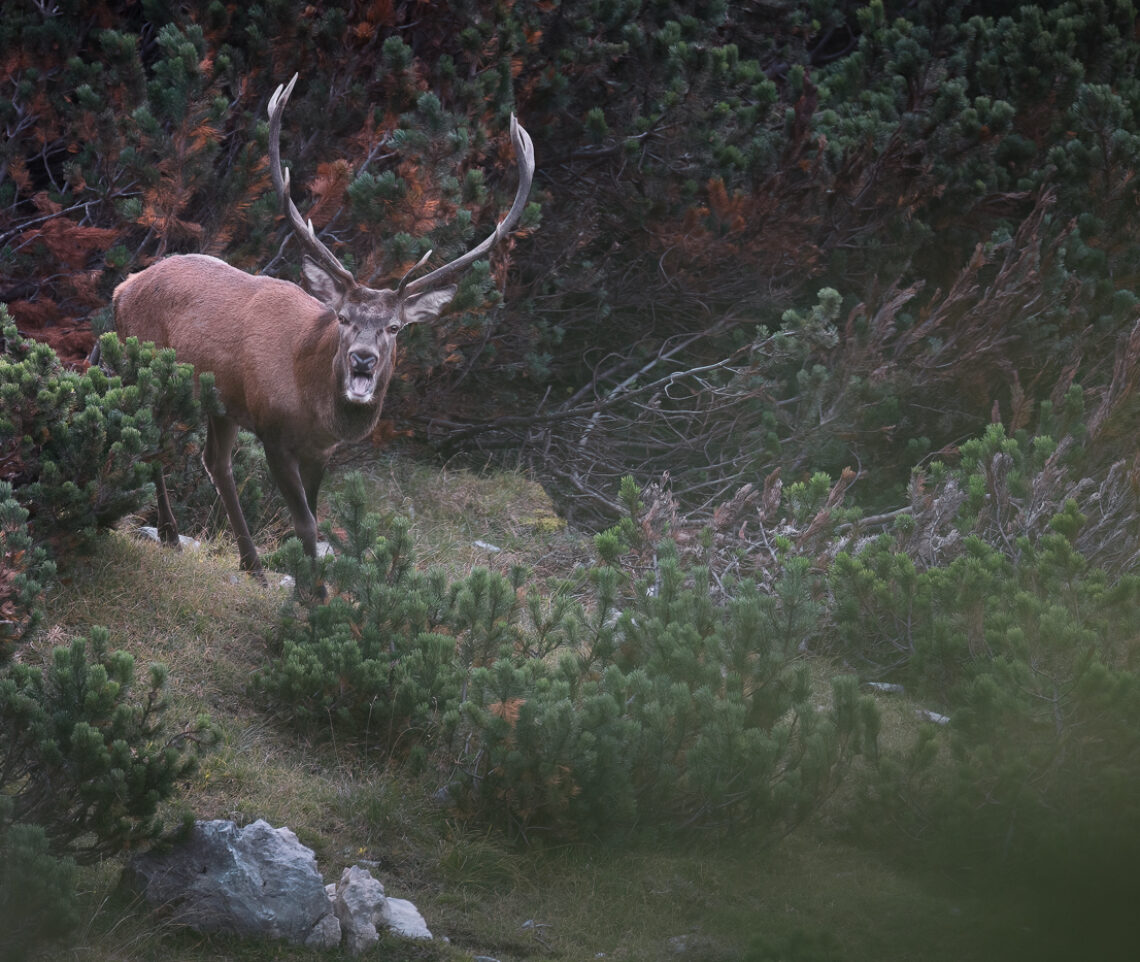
pixel 402 286
pixel 304 231
pixel 524 152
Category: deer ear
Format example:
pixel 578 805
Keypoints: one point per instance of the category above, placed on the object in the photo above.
pixel 427 306
pixel 321 284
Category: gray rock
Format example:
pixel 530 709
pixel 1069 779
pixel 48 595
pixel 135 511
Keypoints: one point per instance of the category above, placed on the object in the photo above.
pixel 363 909
pixel 359 903
pixel 252 881
pixel 404 919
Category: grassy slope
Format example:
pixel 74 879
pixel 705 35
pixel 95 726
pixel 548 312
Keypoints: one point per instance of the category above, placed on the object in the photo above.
pixel 807 897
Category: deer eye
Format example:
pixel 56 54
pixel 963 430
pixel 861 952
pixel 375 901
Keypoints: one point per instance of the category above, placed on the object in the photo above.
pixel 344 321
pixel 393 328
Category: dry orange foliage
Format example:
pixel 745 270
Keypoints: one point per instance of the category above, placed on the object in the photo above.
pixel 37 314
pixel 328 187
pixel 167 224
pixel 507 710
pixel 72 244
pixel 760 228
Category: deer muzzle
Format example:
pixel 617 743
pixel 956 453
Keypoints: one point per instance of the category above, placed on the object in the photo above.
pixel 362 371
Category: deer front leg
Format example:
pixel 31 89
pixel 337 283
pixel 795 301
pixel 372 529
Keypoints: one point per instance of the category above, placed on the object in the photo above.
pixel 312 472
pixel 221 433
pixel 298 480
pixel 294 485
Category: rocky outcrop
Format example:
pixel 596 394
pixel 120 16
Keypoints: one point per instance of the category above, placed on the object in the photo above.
pixel 260 881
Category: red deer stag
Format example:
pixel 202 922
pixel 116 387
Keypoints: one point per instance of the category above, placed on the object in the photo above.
pixel 302 369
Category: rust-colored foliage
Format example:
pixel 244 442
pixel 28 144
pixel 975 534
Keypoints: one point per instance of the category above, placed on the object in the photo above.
pixel 74 245
pixel 328 189
pixel 762 232
pixel 507 710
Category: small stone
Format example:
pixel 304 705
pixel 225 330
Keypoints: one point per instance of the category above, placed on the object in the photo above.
pixel 404 919
pixel 359 904
pixel 150 533
pixel 885 687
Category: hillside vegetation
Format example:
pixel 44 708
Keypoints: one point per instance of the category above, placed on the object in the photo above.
pixel 751 569
pixel 739 893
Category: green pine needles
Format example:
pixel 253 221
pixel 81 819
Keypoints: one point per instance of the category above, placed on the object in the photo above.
pixel 37 890
pixel 86 759
pixel 24 570
pixel 78 449
pixel 679 712
pixel 85 443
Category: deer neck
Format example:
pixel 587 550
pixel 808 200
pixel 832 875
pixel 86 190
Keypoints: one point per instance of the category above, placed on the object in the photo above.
pixel 354 422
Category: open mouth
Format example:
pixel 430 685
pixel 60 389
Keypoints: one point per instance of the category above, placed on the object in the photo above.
pixel 360 388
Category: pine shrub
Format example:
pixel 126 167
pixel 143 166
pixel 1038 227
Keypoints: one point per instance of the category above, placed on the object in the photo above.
pixel 82 445
pixel 85 757
pixel 369 659
pixel 688 712
pixel 650 706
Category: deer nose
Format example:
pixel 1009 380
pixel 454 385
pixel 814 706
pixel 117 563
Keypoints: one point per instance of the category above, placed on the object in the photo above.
pixel 362 363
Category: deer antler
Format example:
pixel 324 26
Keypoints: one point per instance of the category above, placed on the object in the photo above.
pixel 524 151
pixel 304 231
